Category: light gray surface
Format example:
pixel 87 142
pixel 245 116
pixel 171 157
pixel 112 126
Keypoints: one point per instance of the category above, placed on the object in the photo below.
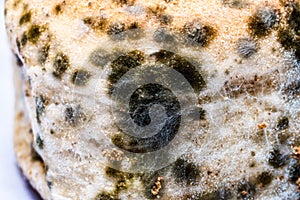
pixel 12 186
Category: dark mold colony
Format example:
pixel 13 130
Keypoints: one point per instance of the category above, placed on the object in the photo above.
pixel 246 190
pixel 246 47
pixel 220 194
pixel 96 23
pixel 60 65
pixel 25 18
pixel 116 31
pixel 294 171
pixel 153 183
pixel 198 34
pixel 277 159
pixel 43 54
pixel 262 22
pixel 23 40
pixel 58 9
pixel 33 33
pixel 124 2
pixel 292 89
pixel 122 181
pixel 237 4
pixel 185 172
pixel 123 64
pixel 134 32
pixel 39 142
pixel 40 102
pixel 74 115
pixel 106 196
pixel 140 103
pixel 288 34
pixel 264 179
pixel 165 19
pixel 140 106
pixel 35 157
pixel 80 77
pixel 100 58
pixel 283 123
pixel 182 66
pixel 162 35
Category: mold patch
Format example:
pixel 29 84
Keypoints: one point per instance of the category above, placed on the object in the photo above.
pixel 60 64
pixel 34 32
pixel 237 4
pixel 162 35
pixel 246 190
pixel 39 142
pixel 154 184
pixel 25 18
pixel 80 77
pixel 288 35
pixel 264 179
pixel 74 115
pixel 123 64
pixel 185 171
pixel 182 66
pixel 40 103
pixel 140 103
pixel 276 159
pixel 43 54
pixel 58 9
pixel 96 23
pixel 283 123
pixel 198 34
pixel 100 57
pixel 124 2
pixel 262 22
pixel 246 47
pixel 116 31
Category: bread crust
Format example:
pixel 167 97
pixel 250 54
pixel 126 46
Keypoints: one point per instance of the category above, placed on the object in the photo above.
pixel 28 160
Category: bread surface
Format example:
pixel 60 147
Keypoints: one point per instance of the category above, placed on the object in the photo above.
pixel 240 59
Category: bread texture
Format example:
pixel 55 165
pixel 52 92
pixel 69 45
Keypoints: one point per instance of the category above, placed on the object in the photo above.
pixel 160 99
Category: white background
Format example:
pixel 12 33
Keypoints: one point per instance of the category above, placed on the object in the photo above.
pixel 12 185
